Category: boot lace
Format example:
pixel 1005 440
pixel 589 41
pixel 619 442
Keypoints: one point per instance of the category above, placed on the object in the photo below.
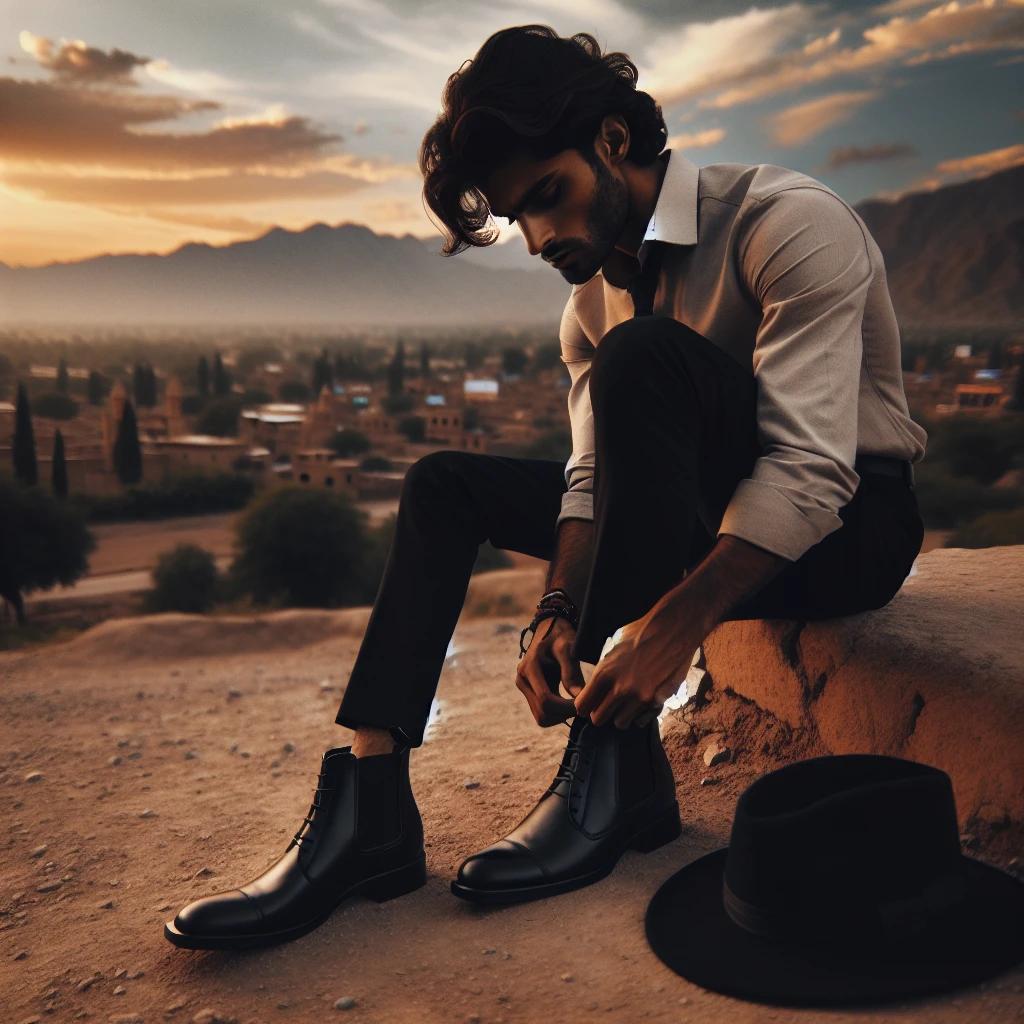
pixel 309 835
pixel 567 772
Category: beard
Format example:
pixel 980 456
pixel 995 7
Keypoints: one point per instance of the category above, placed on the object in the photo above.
pixel 606 218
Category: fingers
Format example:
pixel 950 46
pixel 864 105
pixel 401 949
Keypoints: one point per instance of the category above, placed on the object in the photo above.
pixel 627 710
pixel 548 707
pixel 594 692
pixel 572 674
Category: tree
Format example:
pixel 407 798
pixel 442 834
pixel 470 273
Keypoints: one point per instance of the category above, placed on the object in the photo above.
pixel 995 356
pixel 150 386
pixel 293 391
pixel 184 580
pixel 513 360
pixel 203 377
pixel 221 379
pixel 396 370
pixel 54 406
pixel 301 546
pixel 220 417
pixel 25 468
pixel 546 356
pixel 59 474
pixel 474 356
pixel 323 373
pixel 139 385
pixel 45 542
pixel 96 388
pixel 414 428
pixel 127 450
pixel 63 383
pixel 376 464
pixel 348 442
pixel 425 359
pixel 395 404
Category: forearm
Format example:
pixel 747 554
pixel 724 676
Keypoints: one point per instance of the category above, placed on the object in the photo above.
pixel 731 573
pixel 574 553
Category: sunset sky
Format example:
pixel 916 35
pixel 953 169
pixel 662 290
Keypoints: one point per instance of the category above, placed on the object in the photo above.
pixel 135 127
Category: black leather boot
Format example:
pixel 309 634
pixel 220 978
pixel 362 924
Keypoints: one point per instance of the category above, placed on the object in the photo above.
pixel 614 791
pixel 362 837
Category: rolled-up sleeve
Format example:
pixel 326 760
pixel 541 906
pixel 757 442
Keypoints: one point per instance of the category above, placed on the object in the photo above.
pixel 803 255
pixel 577 352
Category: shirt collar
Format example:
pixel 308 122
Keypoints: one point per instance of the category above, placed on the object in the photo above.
pixel 675 212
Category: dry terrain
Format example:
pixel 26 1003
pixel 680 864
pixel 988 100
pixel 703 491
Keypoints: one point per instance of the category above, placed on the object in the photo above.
pixel 153 760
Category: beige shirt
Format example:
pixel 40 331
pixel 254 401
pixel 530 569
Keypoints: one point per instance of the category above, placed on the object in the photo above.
pixel 778 271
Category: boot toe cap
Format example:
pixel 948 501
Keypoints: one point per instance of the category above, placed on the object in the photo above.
pixel 505 865
pixel 226 914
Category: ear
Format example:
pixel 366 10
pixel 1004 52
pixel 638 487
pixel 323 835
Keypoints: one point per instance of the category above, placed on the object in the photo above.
pixel 612 142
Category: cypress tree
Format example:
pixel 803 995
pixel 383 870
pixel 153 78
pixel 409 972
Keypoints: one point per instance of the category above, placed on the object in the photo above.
pixel 150 387
pixel 127 450
pixel 59 476
pixel 221 380
pixel 95 389
pixel 323 373
pixel 396 371
pixel 425 359
pixel 25 467
pixel 63 384
pixel 203 377
pixel 138 385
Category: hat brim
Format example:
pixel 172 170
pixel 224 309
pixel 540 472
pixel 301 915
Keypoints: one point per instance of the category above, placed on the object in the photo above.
pixel 690 932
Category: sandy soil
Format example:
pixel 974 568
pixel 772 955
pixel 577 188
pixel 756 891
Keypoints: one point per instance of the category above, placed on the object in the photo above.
pixel 160 747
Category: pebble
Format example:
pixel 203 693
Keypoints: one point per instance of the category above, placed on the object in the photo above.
pixel 472 784
pixel 203 873
pixel 684 1001
pixel 709 781
pixel 120 972
pixel 126 1018
pixel 39 851
pixel 48 886
pixel 190 755
pixel 289 748
pixel 233 693
pixel 120 990
pixel 165 907
pixel 113 760
pixel 22 955
pixel 147 813
pixel 86 983
pixel 209 1016
pixel 33 777
pixel 109 905
pixel 345 1003
pixel 716 752
pixel 487 952
pixel 326 685
pixel 567 977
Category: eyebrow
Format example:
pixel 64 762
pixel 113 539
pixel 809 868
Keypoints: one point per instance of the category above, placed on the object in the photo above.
pixel 528 195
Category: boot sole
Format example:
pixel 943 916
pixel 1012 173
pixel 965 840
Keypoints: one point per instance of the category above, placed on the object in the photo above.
pixel 658 833
pixel 380 888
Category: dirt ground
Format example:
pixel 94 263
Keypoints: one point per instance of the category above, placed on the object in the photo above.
pixel 148 762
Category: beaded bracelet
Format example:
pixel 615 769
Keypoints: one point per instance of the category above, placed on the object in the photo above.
pixel 554 604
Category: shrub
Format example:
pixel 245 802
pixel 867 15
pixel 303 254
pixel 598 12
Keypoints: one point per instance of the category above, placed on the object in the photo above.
pixel 947 502
pixel 395 404
pixel 294 391
pixel 184 580
pixel 220 417
pixel 991 530
pixel 980 449
pixel 348 442
pixel 55 406
pixel 375 464
pixel 414 428
pixel 192 405
pixel 301 545
pixel 257 397
pixel 555 445
pixel 185 495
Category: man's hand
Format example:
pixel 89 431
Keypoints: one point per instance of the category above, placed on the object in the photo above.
pixel 547 662
pixel 635 678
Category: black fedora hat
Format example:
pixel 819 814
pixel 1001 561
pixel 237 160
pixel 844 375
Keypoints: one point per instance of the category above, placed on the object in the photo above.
pixel 843 884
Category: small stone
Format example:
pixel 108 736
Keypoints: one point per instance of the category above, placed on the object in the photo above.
pixel 345 1003
pixel 109 905
pixel 203 873
pixel 126 1018
pixel 190 755
pixel 120 990
pixel 488 952
pixel 209 1016
pixel 39 851
pixel 289 748
pixel 523 749
pixel 132 975
pixel 86 983
pixel 233 749
pixel 244 753
pixel 567 977
pixel 34 777
pixel 326 685
pixel 233 694
pixel 174 1007
pixel 684 1001
pixel 164 908
pixel 472 784
pixel 48 886
pixel 22 955
pixel 31 1020
pixel 716 752
pixel 147 813
pixel 113 760
pixel 120 972
pixel 709 781
pixel 135 755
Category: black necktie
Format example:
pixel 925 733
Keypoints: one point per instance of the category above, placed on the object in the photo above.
pixel 644 283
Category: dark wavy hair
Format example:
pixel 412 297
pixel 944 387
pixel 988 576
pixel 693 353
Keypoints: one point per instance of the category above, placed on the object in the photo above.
pixel 527 90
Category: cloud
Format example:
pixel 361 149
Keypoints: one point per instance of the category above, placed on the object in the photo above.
pixel 868 154
pixel 795 125
pixel 75 61
pixel 745 58
pixel 360 128
pixel 982 164
pixel 696 140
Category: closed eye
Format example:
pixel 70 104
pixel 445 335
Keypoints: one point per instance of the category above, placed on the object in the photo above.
pixel 544 202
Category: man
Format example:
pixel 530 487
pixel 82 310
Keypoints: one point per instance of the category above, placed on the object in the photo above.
pixel 741 449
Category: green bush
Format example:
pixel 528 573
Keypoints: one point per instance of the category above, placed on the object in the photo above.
pixel 256 396
pixel 414 428
pixel 991 530
pixel 294 391
pixel 184 580
pixel 192 405
pixel 348 442
pixel 980 449
pixel 375 464
pixel 186 495
pixel 55 406
pixel 395 404
pixel 220 417
pixel 947 501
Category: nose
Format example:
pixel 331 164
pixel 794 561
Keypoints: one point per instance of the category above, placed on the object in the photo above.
pixel 531 234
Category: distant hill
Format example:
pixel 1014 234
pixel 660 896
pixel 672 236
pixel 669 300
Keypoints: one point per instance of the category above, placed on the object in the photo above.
pixel 345 275
pixel 953 256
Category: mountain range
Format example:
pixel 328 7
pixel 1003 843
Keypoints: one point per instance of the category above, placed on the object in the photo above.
pixel 954 255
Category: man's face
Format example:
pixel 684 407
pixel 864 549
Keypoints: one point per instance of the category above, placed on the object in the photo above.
pixel 569 212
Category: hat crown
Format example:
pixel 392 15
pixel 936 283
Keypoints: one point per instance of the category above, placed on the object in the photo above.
pixel 844 848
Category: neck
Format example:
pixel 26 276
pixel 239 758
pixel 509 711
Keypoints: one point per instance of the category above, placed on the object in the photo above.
pixel 644 185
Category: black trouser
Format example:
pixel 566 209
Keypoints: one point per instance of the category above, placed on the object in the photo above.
pixel 675 431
